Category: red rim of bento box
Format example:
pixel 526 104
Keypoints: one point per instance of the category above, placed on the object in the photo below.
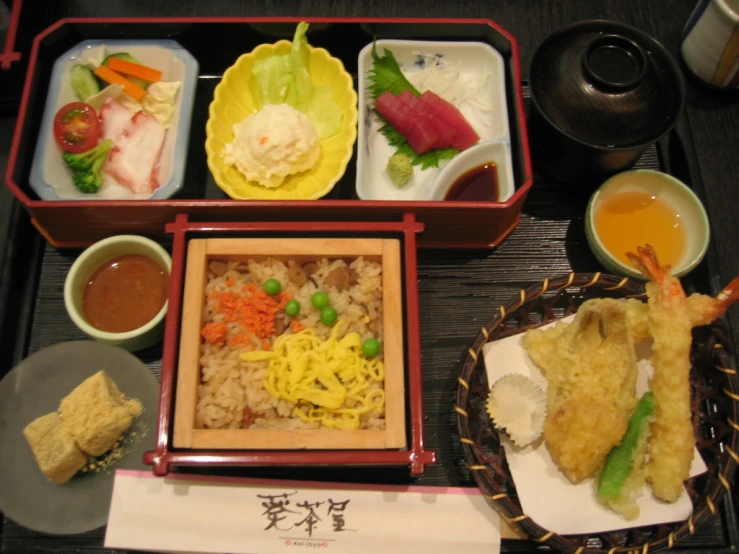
pixel 415 456
pixel 8 55
pixel 338 204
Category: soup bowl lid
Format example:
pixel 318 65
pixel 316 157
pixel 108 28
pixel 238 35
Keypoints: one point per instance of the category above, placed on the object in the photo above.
pixel 606 84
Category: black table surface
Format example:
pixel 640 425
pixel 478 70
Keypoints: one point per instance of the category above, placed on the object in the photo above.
pixel 459 290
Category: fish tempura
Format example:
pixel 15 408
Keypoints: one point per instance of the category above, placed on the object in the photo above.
pixel 590 366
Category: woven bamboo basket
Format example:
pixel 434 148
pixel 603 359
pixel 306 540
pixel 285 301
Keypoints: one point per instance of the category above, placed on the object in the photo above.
pixel 715 404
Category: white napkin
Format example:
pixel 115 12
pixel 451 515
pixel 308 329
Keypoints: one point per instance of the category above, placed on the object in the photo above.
pixel 192 513
pixel 546 495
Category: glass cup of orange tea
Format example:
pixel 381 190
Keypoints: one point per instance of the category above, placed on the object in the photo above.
pixel 641 207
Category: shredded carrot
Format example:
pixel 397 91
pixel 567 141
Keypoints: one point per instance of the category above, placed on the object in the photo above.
pixel 254 311
pixel 135 70
pixel 215 332
pixel 110 76
pixel 296 326
pixel 230 281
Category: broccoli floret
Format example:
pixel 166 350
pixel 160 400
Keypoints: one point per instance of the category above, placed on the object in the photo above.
pixel 399 169
pixel 87 167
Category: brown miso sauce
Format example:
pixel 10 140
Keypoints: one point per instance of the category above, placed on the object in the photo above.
pixel 125 293
pixel 479 184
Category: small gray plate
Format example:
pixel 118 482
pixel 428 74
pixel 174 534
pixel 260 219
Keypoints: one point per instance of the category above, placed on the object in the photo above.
pixel 34 388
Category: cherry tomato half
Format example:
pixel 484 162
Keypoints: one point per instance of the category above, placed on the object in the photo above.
pixel 76 127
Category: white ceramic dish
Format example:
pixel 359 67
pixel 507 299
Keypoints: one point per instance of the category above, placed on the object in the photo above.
pixel 83 268
pixel 473 61
pixel 52 180
pixel 475 156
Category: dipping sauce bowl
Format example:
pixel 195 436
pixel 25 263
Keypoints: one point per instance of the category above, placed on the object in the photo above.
pixel 116 291
pixel 474 167
pixel 641 207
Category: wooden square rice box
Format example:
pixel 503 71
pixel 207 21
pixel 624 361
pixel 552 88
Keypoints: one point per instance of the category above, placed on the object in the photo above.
pixel 314 399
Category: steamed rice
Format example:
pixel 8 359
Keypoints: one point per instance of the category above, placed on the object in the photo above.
pixel 231 394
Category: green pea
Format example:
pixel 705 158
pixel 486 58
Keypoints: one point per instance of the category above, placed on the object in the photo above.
pixel 371 347
pixel 328 316
pixel 272 287
pixel 292 308
pixel 319 300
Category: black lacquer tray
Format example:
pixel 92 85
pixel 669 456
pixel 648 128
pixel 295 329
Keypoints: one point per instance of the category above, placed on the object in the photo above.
pixel 458 290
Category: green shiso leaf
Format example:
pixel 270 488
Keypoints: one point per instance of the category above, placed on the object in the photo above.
pixel 425 160
pixel 386 75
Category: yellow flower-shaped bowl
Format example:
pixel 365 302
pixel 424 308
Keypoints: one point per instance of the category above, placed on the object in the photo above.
pixel 233 102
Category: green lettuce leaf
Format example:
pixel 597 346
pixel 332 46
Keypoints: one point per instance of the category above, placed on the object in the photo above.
pixel 285 79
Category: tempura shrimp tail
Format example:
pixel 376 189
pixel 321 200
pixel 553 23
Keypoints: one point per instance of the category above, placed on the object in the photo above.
pixel 705 309
pixel 672 438
pixel 645 260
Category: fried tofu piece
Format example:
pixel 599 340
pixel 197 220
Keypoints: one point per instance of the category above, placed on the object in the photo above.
pixel 97 414
pixel 55 451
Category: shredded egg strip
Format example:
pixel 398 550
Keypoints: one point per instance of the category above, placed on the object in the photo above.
pixel 320 376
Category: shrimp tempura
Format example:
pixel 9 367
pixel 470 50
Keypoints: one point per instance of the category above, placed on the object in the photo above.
pixel 672 439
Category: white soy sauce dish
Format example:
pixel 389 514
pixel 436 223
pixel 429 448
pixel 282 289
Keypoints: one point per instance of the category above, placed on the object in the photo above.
pixel 468 160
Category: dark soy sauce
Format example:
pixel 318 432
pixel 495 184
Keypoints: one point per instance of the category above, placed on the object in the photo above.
pixel 479 184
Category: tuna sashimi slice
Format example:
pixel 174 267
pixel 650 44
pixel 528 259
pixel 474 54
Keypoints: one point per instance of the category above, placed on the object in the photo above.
pixel 389 107
pixel 466 135
pixel 446 132
pixel 134 158
pixel 114 116
pixel 419 133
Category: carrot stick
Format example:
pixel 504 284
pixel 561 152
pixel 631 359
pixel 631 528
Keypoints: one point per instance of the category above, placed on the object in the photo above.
pixel 135 70
pixel 114 78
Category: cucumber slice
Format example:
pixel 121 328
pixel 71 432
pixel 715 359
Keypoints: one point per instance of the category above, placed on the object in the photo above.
pixel 84 83
pixel 129 58
pixel 121 56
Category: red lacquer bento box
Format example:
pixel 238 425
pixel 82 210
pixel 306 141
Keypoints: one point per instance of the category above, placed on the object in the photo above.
pixel 215 43
pixel 180 442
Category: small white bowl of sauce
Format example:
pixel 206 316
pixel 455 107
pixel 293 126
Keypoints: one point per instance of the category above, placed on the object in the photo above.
pixel 482 173
pixel 116 291
pixel 641 207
